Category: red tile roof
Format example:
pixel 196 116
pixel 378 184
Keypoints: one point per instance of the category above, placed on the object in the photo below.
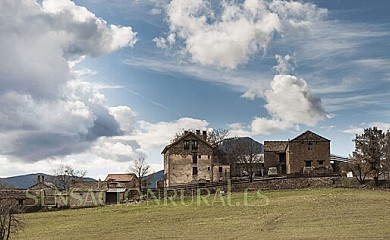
pixel 126 177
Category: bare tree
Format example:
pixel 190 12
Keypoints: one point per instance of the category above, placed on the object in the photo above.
pixel 65 174
pixel 140 168
pixel 244 155
pixel 216 136
pixel 359 167
pixel 10 221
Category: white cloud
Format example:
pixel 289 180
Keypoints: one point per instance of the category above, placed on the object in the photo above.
pixel 289 99
pixel 381 125
pixel 289 103
pixel 284 66
pixel 45 109
pixel 233 32
pixel 124 116
pixel 267 126
pixel 158 135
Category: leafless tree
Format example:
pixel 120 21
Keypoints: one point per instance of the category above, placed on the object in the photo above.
pixel 64 174
pixel 216 136
pixel 359 167
pixel 10 221
pixel 140 168
pixel 244 155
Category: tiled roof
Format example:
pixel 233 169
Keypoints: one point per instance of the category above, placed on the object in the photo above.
pixel 127 177
pixel 275 146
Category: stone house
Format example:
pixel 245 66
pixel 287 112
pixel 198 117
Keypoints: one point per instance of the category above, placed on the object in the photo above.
pixel 191 159
pixel 87 194
pixel 14 196
pixel 308 153
pixel 128 180
pixel 119 186
pixel 45 192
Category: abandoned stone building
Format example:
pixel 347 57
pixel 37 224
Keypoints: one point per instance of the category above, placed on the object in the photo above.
pixel 308 153
pixel 191 159
pixel 118 185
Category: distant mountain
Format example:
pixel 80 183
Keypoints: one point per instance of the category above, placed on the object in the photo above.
pixel 228 144
pixel 155 177
pixel 26 181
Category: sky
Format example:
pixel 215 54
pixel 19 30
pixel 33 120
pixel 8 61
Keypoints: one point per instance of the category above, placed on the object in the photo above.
pixel 96 84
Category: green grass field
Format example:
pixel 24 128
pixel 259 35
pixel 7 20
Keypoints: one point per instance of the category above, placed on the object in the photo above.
pixel 288 214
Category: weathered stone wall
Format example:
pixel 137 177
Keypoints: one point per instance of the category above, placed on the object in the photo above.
pixel 87 198
pixel 181 169
pixel 286 183
pixel 222 176
pixel 178 162
pixel 299 152
pixel 271 159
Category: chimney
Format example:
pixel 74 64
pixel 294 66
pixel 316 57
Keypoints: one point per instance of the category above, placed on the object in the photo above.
pixel 185 132
pixel 42 178
pixel 38 178
pixel 197 132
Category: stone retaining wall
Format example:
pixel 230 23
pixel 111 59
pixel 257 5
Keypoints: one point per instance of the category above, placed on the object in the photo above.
pixel 286 183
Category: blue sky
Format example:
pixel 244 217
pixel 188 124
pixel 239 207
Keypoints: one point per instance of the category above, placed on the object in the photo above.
pixel 96 84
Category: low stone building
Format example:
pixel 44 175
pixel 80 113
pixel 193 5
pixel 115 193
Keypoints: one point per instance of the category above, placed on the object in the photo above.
pixel 191 159
pixel 87 194
pixel 128 180
pixel 308 153
pixel 120 187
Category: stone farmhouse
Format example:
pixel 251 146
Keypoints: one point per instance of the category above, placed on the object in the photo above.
pixel 308 153
pixel 191 159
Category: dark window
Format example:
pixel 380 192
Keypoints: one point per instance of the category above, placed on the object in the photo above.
pixel 194 144
pixel 220 169
pixel 208 169
pixel 20 201
pixel 194 171
pixel 321 162
pixel 199 156
pixel 194 157
pixel 186 145
pixel 208 156
pixel 308 163
pixel 310 146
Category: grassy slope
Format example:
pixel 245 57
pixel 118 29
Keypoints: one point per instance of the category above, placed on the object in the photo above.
pixel 297 214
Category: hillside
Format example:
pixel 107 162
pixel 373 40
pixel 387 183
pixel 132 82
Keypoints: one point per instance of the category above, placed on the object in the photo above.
pixel 155 177
pixel 230 143
pixel 26 181
pixel 287 214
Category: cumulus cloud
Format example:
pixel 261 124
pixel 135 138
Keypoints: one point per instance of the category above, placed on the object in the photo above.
pixel 290 103
pixel 154 135
pixel 44 110
pixel 229 33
